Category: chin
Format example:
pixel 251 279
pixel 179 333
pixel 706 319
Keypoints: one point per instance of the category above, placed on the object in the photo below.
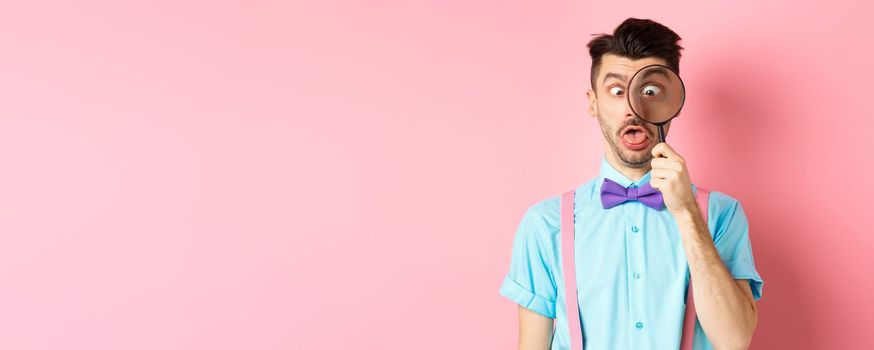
pixel 636 159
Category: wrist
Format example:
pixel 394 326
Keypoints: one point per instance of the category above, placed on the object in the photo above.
pixel 687 212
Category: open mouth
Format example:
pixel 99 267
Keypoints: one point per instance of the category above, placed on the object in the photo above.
pixel 635 138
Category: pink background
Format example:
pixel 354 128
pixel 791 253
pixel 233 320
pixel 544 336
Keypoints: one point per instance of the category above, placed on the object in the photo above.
pixel 333 175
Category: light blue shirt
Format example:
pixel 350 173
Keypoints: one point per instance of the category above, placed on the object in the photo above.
pixel 631 266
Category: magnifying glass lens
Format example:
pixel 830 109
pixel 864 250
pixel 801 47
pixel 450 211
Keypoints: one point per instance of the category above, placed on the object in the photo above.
pixel 656 94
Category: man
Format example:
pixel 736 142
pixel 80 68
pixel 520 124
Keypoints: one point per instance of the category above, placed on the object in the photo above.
pixel 634 262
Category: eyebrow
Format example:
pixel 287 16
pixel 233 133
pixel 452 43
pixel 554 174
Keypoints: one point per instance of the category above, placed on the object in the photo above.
pixel 660 71
pixel 614 76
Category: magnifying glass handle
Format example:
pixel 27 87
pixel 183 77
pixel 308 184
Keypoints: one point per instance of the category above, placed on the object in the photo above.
pixel 662 134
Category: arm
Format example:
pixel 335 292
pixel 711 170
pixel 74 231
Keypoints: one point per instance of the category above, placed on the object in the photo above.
pixel 535 330
pixel 530 281
pixel 725 306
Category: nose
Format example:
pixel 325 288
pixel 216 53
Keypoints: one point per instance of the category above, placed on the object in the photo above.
pixel 630 117
pixel 629 113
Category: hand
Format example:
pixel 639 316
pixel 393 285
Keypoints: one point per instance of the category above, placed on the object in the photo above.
pixel 670 177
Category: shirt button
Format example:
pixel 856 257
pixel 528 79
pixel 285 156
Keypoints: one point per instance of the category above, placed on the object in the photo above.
pixel 639 325
pixel 637 275
pixel 634 229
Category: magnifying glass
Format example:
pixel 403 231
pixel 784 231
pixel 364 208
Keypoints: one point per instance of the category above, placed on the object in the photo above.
pixel 656 94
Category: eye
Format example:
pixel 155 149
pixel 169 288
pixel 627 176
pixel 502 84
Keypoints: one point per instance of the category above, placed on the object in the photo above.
pixel 617 91
pixel 651 90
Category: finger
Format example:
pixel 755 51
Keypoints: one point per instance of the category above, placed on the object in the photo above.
pixel 660 163
pixel 664 174
pixel 666 163
pixel 664 150
pixel 657 162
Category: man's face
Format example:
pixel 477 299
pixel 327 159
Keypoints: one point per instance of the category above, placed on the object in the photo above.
pixel 630 138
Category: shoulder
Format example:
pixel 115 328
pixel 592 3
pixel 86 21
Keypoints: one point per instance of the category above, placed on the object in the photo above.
pixel 544 216
pixel 724 212
pixel 549 209
pixel 722 203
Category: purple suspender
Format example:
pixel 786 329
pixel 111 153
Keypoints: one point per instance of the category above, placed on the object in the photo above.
pixel 570 290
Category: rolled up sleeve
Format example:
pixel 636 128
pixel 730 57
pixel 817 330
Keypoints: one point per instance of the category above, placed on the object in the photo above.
pixel 529 281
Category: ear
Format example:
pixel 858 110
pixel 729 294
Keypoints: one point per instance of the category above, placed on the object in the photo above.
pixel 593 102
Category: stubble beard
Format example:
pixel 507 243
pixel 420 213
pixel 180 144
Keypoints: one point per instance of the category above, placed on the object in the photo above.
pixel 631 159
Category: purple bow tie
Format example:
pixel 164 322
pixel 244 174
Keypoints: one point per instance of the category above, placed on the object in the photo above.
pixel 613 194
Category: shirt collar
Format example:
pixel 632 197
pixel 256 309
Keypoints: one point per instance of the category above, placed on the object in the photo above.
pixel 609 172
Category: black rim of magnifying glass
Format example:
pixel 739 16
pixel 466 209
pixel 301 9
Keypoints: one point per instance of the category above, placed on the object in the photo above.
pixel 660 125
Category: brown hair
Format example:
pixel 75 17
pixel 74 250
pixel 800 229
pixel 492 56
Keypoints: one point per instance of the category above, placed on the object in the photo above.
pixel 635 39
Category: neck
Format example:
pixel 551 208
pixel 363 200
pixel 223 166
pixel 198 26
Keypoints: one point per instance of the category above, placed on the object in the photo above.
pixel 630 171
